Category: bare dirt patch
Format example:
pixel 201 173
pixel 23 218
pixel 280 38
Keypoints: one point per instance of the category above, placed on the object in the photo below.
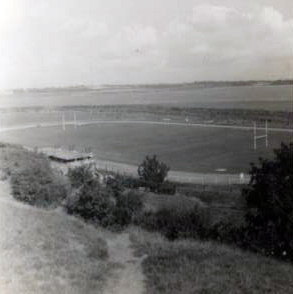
pixel 127 276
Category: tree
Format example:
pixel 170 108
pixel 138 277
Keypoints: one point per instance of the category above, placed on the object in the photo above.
pixel 269 201
pixel 152 172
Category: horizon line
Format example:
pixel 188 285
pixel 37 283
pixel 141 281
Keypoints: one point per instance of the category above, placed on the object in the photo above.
pixel 95 86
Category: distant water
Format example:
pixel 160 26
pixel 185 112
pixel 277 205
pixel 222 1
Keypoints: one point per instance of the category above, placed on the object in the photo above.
pixel 247 97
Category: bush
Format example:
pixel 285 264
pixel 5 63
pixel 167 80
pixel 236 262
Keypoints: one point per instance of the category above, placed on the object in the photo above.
pixel 131 182
pixel 127 207
pixel 115 183
pixel 106 205
pixel 228 232
pixel 167 188
pixel 269 202
pixel 38 185
pixel 123 181
pixel 80 175
pixel 177 224
pixel 93 203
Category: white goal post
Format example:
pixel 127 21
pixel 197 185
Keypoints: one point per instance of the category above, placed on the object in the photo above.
pixel 258 137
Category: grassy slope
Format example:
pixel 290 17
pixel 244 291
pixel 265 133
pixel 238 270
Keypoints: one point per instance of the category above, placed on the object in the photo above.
pixel 45 251
pixel 48 251
pixel 225 203
pixel 189 266
pixel 52 251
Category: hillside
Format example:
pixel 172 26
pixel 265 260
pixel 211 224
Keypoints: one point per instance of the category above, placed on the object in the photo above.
pixel 48 251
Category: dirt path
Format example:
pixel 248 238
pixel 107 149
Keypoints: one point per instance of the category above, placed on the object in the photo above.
pixel 127 276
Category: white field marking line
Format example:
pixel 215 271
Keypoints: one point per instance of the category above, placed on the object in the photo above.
pixel 182 124
pixel 82 123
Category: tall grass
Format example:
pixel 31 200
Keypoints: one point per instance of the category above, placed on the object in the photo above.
pixel 188 266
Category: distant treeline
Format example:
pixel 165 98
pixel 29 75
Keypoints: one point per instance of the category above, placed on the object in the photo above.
pixel 196 84
pixel 207 84
pixel 78 88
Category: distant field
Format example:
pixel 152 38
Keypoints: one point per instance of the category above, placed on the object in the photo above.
pixel 239 117
pixel 185 148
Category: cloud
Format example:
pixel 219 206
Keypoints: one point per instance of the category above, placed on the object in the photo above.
pixel 273 19
pixel 86 28
pixel 217 35
pixel 211 15
pixel 46 42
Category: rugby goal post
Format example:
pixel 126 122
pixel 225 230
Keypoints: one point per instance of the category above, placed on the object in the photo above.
pixel 258 137
pixel 63 122
pixel 74 120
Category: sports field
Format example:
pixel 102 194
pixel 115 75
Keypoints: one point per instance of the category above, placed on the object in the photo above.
pixel 184 148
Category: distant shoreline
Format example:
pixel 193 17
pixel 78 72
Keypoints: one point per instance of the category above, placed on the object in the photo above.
pixel 195 84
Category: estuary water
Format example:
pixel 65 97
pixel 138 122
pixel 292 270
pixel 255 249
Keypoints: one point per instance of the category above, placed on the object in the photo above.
pixel 245 97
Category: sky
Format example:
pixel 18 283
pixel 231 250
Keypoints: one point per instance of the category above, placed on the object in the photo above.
pixel 92 42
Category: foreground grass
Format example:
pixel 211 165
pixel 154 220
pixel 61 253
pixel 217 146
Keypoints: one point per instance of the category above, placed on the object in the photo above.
pixel 47 251
pixel 189 266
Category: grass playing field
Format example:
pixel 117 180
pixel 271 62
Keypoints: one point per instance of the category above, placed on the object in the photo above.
pixel 186 148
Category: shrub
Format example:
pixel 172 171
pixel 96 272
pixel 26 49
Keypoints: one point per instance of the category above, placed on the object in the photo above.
pixel 167 188
pixel 120 182
pixel 152 173
pixel 228 232
pixel 175 224
pixel 130 182
pixel 269 201
pixel 115 183
pixel 93 203
pixel 106 205
pixel 38 185
pixel 128 205
pixel 80 175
